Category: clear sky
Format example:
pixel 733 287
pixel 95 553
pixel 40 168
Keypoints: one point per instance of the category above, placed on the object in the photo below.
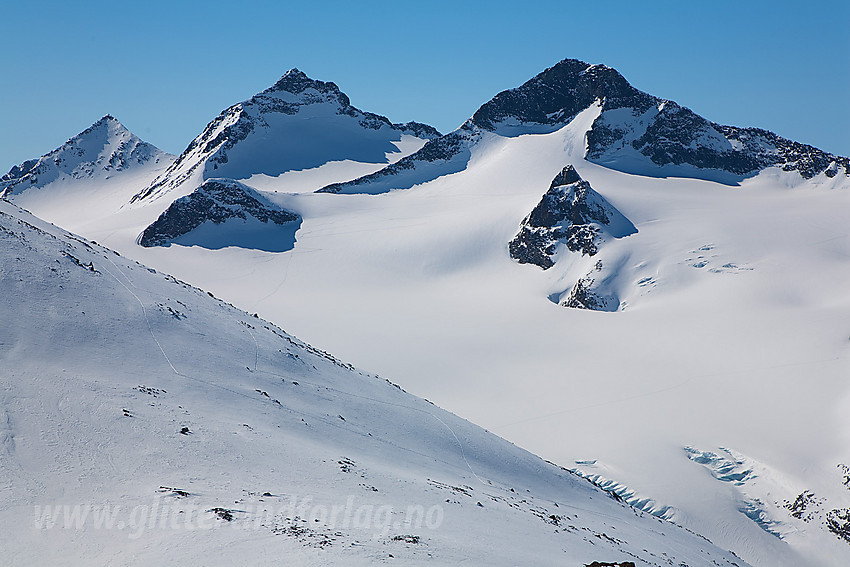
pixel 165 69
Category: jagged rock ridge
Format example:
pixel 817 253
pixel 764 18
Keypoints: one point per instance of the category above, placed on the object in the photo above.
pixel 570 213
pixel 216 201
pixel 103 148
pixel 298 123
pixel 635 132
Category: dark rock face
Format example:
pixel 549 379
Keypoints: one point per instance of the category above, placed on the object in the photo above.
pixel 296 81
pixel 560 92
pixel 582 296
pixel 587 293
pixel 418 129
pixel 767 149
pixel 217 200
pixel 572 213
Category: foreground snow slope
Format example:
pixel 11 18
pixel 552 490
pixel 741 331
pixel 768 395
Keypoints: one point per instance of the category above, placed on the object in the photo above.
pixel 163 426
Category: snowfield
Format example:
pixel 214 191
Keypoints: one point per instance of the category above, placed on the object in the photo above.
pixel 714 394
pixel 145 422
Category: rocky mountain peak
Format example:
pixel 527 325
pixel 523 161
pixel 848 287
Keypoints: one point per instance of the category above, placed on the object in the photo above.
pixel 572 214
pixel 554 96
pixel 568 175
pixel 296 82
pixel 218 201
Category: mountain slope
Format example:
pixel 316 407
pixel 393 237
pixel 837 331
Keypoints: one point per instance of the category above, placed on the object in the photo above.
pixel 297 124
pixel 145 422
pixel 635 133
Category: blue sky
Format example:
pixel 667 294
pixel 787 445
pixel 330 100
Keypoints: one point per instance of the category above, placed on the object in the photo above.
pixel 165 69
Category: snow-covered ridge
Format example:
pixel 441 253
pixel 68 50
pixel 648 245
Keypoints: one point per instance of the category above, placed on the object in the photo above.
pixel 103 149
pixel 298 123
pixel 635 133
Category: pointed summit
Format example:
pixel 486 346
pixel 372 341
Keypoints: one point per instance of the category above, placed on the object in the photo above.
pixel 106 147
pixel 571 214
pixel 555 96
pixel 296 82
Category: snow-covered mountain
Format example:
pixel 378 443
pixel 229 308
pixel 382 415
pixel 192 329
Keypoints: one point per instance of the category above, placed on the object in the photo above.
pixel 634 132
pixel 295 125
pixel 713 392
pixel 144 422
pixel 103 150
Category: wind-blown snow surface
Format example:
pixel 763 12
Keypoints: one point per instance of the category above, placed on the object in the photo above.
pixel 145 422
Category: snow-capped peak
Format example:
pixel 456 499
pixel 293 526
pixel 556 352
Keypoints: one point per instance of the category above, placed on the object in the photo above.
pixel 296 124
pixel 102 149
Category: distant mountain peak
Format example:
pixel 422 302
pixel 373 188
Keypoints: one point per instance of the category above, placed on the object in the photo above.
pixel 267 134
pixel 296 82
pixel 634 132
pixel 556 95
pixel 105 147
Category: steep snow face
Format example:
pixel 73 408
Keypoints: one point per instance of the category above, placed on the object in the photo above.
pixel 103 150
pixel 250 220
pixel 144 422
pixel 297 124
pixel 635 133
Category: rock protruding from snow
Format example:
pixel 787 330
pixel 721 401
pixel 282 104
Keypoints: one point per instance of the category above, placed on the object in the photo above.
pixel 105 148
pixel 594 291
pixel 572 214
pixel 635 132
pixel 298 123
pixel 216 202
